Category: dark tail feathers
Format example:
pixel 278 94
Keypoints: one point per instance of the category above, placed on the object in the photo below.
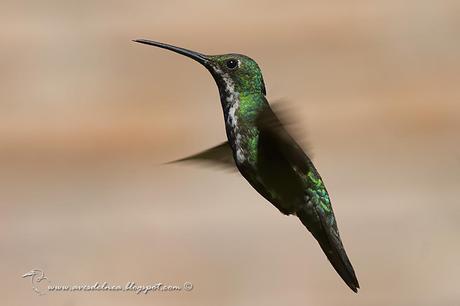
pixel 333 248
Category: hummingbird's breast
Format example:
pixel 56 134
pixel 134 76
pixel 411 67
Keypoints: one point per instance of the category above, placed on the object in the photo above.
pixel 235 132
pixel 240 110
pixel 242 133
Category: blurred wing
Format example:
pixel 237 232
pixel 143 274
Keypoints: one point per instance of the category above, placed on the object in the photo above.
pixel 220 155
pixel 287 116
pixel 273 132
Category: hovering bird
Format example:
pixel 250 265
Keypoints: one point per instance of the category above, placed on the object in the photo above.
pixel 266 155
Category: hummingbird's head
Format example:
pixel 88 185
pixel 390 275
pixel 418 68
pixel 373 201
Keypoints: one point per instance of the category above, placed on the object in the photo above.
pixel 234 74
pixel 237 71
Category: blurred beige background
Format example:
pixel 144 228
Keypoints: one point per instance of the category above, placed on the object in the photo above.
pixel 87 117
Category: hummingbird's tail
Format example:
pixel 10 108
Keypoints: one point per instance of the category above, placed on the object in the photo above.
pixel 329 240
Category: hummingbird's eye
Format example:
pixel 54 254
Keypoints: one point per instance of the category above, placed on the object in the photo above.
pixel 232 63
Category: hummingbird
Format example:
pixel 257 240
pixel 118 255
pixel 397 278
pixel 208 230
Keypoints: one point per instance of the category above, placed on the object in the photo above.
pixel 265 153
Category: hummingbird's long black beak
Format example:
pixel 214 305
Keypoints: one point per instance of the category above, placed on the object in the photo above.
pixel 200 58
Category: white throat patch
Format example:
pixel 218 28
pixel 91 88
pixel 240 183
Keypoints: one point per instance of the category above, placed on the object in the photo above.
pixel 233 99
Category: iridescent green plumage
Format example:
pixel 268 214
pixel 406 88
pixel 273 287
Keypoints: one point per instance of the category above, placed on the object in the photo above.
pixel 266 155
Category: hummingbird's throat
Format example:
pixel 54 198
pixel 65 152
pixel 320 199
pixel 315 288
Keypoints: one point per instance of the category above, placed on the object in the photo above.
pixel 230 99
